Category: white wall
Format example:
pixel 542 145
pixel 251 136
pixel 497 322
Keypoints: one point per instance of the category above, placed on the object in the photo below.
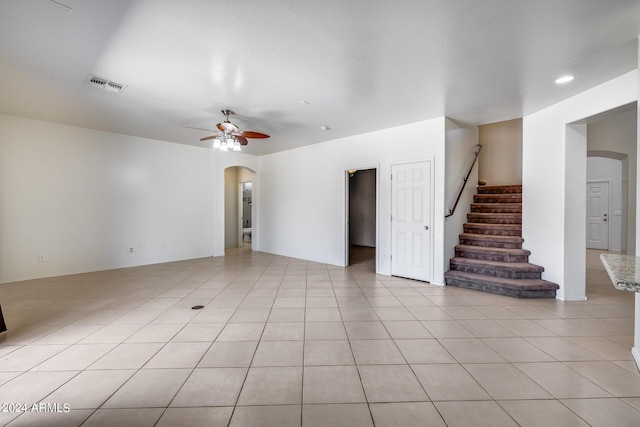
pixel 303 192
pixel 553 175
pixel 82 197
pixel 460 145
pixel 500 161
pixel 610 170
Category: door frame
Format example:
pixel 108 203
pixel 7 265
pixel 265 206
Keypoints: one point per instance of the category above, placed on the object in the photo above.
pixel 241 212
pixel 240 242
pixel 346 212
pixel 431 245
pixel 608 183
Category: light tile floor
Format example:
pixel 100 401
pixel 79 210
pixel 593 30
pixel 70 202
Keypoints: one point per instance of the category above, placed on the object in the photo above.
pixel 284 342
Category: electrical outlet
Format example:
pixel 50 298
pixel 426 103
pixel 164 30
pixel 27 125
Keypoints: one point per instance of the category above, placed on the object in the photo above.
pixel 41 258
pixel 130 250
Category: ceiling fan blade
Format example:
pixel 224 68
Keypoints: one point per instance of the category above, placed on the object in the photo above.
pixel 242 140
pixel 251 134
pixel 206 138
pixel 191 127
pixel 227 127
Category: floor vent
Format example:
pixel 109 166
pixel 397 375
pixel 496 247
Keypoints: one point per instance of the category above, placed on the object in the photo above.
pixel 106 84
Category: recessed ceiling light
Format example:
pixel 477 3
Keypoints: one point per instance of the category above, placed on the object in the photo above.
pixel 305 102
pixel 325 127
pixel 564 79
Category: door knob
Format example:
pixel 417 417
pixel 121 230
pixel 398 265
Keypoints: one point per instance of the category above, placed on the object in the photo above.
pixel 426 227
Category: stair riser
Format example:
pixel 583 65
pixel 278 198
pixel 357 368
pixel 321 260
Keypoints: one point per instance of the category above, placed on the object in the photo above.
pixel 490 243
pixel 470 228
pixel 494 289
pixel 497 272
pixel 496 207
pixel 497 198
pixel 503 189
pixel 492 257
pixel 495 219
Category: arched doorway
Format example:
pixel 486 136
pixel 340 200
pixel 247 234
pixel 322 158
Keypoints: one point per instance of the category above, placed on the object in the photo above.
pixel 609 171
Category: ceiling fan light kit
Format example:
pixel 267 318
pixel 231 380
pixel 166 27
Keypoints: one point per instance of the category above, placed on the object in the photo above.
pixel 224 144
pixel 229 137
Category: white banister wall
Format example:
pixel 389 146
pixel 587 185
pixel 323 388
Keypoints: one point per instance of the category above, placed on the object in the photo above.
pixel 460 144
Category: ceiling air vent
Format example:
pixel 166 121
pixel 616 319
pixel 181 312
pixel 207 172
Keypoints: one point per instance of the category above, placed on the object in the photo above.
pixel 102 83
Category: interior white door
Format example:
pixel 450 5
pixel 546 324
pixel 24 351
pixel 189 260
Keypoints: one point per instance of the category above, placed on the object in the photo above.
pixel 411 220
pixel 598 215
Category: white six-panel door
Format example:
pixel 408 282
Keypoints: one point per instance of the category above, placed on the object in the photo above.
pixel 598 215
pixel 411 220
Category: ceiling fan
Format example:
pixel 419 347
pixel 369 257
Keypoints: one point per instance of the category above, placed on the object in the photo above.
pixel 228 136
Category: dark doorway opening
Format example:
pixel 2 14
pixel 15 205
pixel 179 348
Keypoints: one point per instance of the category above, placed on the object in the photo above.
pixel 362 216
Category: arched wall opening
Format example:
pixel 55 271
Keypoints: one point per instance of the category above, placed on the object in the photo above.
pixel 222 162
pixel 612 168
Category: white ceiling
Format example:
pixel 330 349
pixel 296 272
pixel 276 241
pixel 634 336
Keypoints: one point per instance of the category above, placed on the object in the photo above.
pixel 361 65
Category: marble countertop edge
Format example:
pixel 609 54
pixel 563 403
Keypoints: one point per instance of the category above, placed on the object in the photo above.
pixel 623 270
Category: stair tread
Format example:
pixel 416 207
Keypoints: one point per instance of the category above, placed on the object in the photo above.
pixel 489 225
pixel 489 205
pixel 496 214
pixel 496 208
pixel 496 189
pixel 513 266
pixel 531 284
pixel 497 199
pixel 500 195
pixel 491 187
pixel 495 237
pixel 487 249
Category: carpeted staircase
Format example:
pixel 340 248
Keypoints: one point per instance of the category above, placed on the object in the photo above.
pixel 490 257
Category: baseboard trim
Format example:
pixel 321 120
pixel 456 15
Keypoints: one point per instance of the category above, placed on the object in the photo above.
pixel 561 298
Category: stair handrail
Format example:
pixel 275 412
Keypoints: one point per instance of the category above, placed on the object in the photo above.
pixel 466 178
